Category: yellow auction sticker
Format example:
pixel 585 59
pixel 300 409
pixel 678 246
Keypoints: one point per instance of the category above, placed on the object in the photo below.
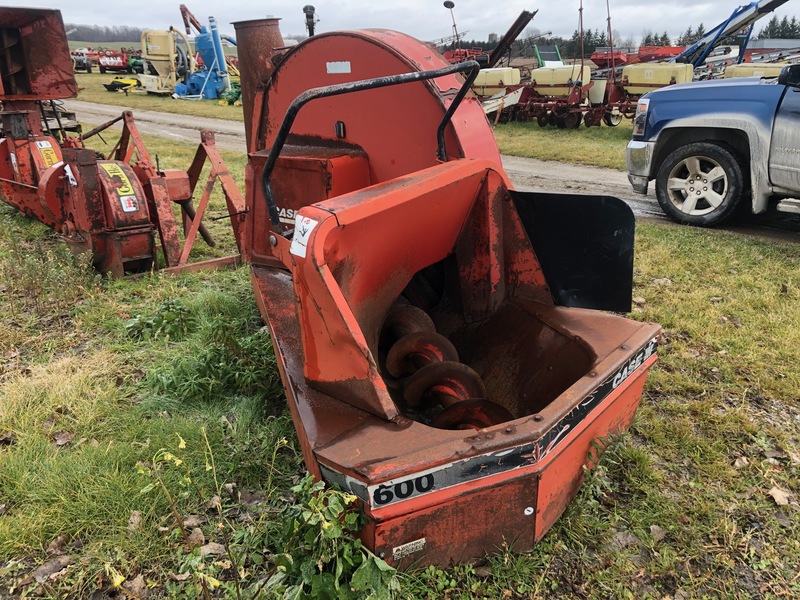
pixel 122 187
pixel 115 171
pixel 48 153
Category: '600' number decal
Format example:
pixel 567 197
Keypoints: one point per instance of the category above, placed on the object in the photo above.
pixel 384 494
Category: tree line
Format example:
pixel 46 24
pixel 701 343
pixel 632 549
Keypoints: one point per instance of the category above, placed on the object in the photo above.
pixel 99 34
pixel 783 29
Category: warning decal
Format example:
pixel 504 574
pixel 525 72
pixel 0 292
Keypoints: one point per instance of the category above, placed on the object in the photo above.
pixel 302 231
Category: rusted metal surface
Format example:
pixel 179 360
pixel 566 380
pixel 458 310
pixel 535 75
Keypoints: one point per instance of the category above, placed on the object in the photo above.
pixel 110 207
pixel 106 213
pixel 126 200
pixel 364 55
pixel 35 63
pixel 376 459
pixel 96 204
pixel 469 69
pixel 347 132
pixel 257 41
pixel 207 152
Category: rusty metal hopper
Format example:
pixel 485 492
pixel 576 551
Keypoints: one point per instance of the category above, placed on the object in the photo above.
pixel 35 63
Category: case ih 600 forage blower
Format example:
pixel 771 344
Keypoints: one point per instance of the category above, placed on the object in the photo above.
pixel 447 344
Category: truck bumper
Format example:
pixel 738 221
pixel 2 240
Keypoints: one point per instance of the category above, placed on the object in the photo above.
pixel 638 157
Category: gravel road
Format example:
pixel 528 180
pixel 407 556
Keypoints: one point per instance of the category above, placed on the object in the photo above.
pixel 526 174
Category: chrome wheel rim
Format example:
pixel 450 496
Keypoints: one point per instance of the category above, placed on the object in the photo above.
pixel 697 185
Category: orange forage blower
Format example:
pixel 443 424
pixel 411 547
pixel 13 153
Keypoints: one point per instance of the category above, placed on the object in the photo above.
pixel 445 342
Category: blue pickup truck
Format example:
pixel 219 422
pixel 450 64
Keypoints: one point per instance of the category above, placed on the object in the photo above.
pixel 717 147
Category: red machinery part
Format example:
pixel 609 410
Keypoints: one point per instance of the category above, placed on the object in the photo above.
pixel 112 206
pixel 386 252
pixel 565 376
pixel 35 63
pixel 337 146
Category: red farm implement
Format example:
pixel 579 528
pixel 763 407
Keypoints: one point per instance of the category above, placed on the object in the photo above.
pixel 112 206
pixel 442 338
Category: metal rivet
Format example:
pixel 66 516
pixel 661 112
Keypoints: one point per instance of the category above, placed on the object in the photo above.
pixel 624 346
pixel 382 555
pixel 528 511
pixel 509 430
pixel 538 417
pixel 273 241
pixel 592 374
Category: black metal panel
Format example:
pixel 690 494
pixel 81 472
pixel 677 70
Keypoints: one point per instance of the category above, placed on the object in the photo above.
pixel 585 246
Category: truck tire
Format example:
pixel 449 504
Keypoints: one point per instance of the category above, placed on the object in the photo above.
pixel 700 184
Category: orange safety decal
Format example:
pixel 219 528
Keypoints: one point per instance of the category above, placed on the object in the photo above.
pixel 48 153
pixel 122 187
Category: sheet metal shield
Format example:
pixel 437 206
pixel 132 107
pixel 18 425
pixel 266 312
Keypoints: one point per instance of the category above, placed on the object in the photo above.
pixel 584 245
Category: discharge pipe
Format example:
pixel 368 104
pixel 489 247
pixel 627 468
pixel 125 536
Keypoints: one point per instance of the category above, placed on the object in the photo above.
pixel 257 41
pixel 222 66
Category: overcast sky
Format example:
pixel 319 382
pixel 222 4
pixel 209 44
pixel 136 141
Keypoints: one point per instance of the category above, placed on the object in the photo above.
pixel 423 19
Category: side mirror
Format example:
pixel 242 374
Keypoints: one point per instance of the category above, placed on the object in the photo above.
pixel 790 75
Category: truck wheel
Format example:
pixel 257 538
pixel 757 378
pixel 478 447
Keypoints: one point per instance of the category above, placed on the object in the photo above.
pixel 700 184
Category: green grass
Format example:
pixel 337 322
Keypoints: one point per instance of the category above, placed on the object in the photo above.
pixel 679 504
pixel 598 146
pixel 90 89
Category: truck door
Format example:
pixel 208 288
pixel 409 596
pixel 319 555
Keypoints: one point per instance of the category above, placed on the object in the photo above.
pixel 784 155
